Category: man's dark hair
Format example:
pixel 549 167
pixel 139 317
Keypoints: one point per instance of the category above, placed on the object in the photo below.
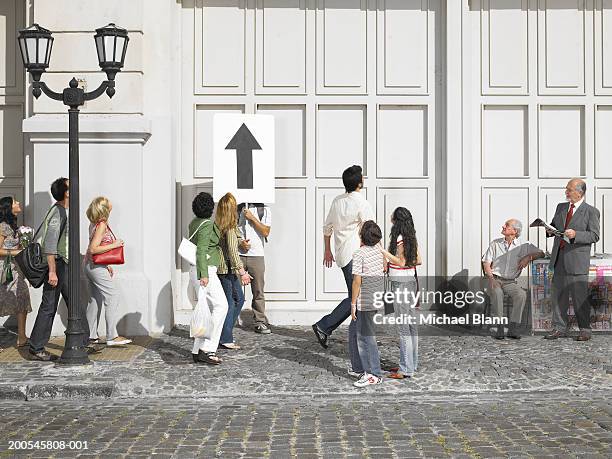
pixel 203 205
pixel 370 233
pixel 352 178
pixel 59 188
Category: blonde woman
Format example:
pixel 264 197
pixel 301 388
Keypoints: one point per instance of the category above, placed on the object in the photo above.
pixel 231 271
pixel 102 288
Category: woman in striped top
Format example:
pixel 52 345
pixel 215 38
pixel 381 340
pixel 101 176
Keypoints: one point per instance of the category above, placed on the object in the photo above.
pixel 231 271
pixel 403 257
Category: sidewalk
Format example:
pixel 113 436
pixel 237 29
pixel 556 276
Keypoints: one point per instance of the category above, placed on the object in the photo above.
pixel 291 363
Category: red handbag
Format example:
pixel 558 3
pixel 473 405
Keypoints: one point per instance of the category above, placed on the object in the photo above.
pixel 112 256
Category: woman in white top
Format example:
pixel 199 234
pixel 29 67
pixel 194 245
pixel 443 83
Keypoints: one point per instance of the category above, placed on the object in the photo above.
pixel 403 257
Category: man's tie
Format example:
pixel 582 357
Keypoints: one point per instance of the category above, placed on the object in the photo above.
pixel 568 217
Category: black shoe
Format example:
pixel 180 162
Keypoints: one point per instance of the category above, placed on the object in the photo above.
pixel 262 328
pixel 94 348
pixel 195 358
pixel 43 356
pixel 321 337
pixel 513 332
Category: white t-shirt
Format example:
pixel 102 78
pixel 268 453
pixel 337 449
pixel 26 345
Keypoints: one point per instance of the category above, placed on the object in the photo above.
pixel 400 271
pixel 249 232
pixel 347 213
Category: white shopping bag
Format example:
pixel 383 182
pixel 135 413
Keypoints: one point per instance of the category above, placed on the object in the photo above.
pixel 201 321
pixel 201 318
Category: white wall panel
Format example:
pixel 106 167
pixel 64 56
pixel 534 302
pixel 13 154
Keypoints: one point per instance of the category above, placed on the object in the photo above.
pixel 498 206
pixel 220 46
pixel 11 141
pixel 8 34
pixel 603 141
pixel 403 44
pixel 12 19
pixel 341 46
pixel 341 138
pixel 281 46
pixel 561 141
pixel 603 47
pixel 416 200
pixel 548 199
pixel 561 43
pixel 77 16
pixel 290 135
pixel 504 35
pixel 603 202
pixel 402 141
pixel 287 238
pixel 504 141
pixel 203 136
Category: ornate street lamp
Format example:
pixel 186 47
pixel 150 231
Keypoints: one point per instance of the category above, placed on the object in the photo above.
pixel 35 44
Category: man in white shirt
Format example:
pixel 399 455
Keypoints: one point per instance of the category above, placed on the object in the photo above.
pixel 255 222
pixel 346 215
pixel 502 263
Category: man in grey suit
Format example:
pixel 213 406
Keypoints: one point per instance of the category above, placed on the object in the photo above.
pixel 570 260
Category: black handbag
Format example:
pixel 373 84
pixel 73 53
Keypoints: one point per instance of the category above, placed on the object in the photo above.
pixel 389 306
pixel 32 261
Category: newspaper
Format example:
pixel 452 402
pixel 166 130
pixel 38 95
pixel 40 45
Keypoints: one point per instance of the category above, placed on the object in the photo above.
pixel 550 229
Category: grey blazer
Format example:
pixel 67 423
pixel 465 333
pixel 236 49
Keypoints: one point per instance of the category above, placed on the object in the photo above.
pixel 577 253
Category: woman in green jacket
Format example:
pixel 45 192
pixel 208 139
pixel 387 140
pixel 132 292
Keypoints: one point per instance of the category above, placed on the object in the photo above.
pixel 204 276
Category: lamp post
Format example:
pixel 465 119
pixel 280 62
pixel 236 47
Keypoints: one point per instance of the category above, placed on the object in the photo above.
pixel 35 44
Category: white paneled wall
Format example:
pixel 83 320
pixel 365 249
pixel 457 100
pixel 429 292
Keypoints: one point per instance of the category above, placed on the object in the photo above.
pixel 348 82
pixel 12 101
pixel 537 111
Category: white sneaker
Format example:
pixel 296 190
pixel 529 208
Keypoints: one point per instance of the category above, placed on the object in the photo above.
pixel 118 342
pixel 354 374
pixel 367 380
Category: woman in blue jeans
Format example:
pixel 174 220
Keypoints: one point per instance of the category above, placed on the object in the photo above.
pixel 403 256
pixel 231 271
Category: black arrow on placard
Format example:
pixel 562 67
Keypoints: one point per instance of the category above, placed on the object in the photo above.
pixel 244 143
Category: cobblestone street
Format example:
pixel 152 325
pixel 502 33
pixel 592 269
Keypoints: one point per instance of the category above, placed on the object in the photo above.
pixel 282 396
pixel 362 426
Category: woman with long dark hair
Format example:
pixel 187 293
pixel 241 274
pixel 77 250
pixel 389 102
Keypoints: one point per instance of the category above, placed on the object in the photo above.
pixel 403 257
pixel 14 293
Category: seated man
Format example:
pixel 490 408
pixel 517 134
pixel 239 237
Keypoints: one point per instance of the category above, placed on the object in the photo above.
pixel 502 263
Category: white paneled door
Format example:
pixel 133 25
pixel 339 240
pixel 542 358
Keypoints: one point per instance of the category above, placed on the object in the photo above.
pixel 348 82
pixel 537 111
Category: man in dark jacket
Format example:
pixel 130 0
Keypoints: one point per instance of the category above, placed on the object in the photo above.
pixel 570 260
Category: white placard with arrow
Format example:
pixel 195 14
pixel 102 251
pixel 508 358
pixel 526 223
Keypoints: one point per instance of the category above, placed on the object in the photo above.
pixel 243 157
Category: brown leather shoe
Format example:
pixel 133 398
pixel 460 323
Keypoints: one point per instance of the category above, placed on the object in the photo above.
pixel 583 336
pixel 555 334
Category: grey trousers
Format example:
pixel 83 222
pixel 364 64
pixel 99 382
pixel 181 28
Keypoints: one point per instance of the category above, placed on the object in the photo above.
pixel 102 291
pixel 256 266
pixel 518 295
pixel 563 286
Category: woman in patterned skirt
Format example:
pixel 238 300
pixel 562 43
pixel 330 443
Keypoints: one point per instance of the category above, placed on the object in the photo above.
pixel 14 294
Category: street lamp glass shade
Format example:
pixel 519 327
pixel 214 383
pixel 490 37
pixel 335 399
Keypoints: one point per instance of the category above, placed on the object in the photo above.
pixel 111 46
pixel 35 44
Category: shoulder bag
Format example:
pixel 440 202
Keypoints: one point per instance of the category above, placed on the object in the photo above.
pixel 187 249
pixel 31 260
pixel 110 257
